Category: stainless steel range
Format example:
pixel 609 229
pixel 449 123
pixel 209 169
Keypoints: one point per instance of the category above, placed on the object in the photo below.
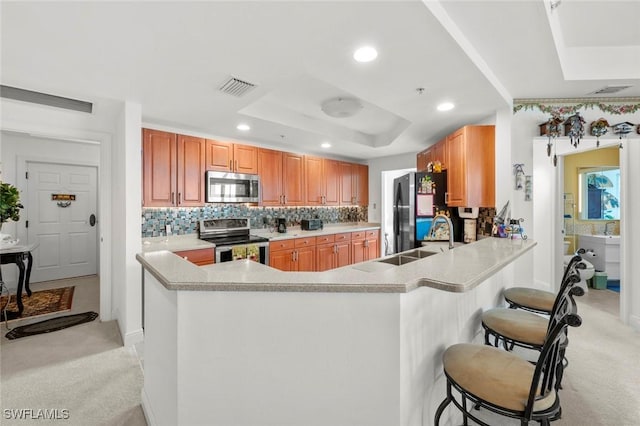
pixel 234 241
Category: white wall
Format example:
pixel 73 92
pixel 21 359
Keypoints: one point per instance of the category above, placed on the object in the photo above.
pixel 376 167
pixel 15 150
pixel 127 213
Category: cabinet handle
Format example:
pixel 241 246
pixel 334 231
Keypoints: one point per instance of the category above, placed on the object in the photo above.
pixel 284 197
pixel 366 243
pixel 446 198
pixel 236 167
pixel 230 165
pixel 179 198
pixel 173 198
pixel 335 248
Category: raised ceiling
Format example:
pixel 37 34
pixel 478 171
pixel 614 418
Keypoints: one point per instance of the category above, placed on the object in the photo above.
pixel 171 57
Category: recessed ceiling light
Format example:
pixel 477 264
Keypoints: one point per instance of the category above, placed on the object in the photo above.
pixel 365 54
pixel 326 145
pixel 446 106
pixel 243 127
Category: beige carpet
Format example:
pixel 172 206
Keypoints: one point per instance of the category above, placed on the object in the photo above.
pixel 84 370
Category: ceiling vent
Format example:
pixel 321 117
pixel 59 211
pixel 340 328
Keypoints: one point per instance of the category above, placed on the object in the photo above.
pixel 45 99
pixel 236 87
pixel 607 90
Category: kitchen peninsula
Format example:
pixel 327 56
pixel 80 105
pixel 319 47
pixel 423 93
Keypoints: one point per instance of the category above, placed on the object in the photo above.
pixel 241 343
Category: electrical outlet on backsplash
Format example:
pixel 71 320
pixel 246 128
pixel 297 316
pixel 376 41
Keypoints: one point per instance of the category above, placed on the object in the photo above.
pixel 185 220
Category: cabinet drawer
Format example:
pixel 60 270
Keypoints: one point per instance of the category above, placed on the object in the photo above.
pixel 359 235
pixel 305 242
pixel 325 239
pixel 342 237
pixel 282 245
pixel 372 234
pixel 199 257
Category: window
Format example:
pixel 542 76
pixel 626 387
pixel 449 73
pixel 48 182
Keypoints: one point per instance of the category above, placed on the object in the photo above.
pixel 599 189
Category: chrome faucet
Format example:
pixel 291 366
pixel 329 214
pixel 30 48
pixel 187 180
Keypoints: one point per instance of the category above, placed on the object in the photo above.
pixel 606 228
pixel 449 224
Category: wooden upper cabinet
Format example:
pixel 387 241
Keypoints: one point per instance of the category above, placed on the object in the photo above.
pixel 245 159
pixel 270 171
pixel 230 157
pixel 159 159
pixel 322 181
pixel 421 160
pixel 471 168
pixel 293 179
pixel 190 171
pixel 439 152
pixel 347 184
pixel 219 155
pixel 361 185
pixel 173 169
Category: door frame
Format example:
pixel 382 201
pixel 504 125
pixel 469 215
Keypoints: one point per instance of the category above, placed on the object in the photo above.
pixel 21 169
pixel 104 190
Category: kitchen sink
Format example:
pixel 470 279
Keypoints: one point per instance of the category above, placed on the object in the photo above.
pixel 420 254
pixel 398 260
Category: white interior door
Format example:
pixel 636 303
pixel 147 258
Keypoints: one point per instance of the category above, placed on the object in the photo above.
pixel 64 230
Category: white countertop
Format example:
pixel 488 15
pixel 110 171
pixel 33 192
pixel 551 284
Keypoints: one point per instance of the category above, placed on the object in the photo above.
pixel 457 270
pixel 174 243
pixel 297 232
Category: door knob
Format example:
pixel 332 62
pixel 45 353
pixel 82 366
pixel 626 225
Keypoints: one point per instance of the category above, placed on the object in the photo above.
pixel 92 220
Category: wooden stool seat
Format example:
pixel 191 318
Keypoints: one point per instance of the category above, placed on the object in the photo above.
pixel 520 326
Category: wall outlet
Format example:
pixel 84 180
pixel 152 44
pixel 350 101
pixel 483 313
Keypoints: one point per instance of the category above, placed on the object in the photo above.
pixel 168 229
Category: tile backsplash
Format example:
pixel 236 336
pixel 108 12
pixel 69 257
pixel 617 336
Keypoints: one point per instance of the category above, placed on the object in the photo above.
pixel 185 220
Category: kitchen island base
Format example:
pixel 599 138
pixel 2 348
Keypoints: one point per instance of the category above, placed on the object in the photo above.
pixel 304 358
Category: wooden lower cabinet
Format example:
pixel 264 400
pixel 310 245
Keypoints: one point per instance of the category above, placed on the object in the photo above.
pixel 365 246
pixel 333 251
pixel 198 257
pixel 293 255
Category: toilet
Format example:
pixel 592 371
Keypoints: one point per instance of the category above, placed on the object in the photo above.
pixel 585 274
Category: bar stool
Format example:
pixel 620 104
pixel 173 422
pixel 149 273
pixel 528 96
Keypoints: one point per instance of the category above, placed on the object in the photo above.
pixel 504 383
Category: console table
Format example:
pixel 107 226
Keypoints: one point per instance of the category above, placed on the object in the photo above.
pixel 22 257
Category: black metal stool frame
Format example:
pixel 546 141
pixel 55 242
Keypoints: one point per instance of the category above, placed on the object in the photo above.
pixel 544 378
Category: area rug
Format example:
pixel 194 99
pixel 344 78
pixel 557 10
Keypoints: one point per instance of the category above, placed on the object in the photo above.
pixel 613 285
pixel 53 324
pixel 41 302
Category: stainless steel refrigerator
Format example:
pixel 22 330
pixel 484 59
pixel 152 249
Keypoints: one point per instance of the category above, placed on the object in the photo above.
pixel 415 199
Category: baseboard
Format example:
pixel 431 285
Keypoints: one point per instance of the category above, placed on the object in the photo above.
pixel 634 322
pixel 133 337
pixel 146 409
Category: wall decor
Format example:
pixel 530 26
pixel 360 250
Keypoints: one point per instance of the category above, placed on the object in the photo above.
pixel 599 128
pixel 616 106
pixel 518 170
pixel 528 188
pixel 552 128
pixel 574 128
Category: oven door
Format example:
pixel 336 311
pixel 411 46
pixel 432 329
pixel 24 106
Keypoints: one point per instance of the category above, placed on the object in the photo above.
pixel 225 187
pixel 258 252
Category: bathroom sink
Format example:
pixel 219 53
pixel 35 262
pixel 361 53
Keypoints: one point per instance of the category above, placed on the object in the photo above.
pixel 398 260
pixel 420 254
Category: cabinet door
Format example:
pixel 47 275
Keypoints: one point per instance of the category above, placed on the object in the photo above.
pixel 325 257
pixel 372 249
pixel 270 171
pixel 198 257
pixel 343 253
pixel 439 153
pixel 346 184
pixel 219 155
pixel 245 159
pixel 358 251
pixel 191 165
pixel 293 180
pixel 314 186
pixel 456 173
pixel 282 260
pixel 159 168
pixel 331 175
pixel 361 191
pixel 306 259
pixel 421 161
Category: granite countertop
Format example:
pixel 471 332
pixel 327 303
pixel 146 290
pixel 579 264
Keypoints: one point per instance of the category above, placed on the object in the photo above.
pixel 297 232
pixel 174 243
pixel 457 270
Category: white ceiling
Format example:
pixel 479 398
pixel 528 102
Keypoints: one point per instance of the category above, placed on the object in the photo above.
pixel 172 56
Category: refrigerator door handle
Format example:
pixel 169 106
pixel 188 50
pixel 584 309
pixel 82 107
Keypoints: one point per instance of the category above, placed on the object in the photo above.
pixel 446 198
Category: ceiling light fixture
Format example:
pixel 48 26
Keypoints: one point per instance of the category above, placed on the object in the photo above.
pixel 243 127
pixel 341 107
pixel 326 145
pixel 446 106
pixel 365 54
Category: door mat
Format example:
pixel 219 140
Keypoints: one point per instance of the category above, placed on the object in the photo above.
pixel 41 302
pixel 53 324
pixel 613 285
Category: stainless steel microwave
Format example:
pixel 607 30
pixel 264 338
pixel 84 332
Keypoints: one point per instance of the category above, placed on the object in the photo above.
pixel 223 187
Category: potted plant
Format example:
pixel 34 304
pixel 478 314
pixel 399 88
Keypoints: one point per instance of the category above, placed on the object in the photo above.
pixel 9 210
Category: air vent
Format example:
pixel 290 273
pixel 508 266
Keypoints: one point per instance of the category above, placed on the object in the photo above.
pixel 607 90
pixel 45 99
pixel 236 87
